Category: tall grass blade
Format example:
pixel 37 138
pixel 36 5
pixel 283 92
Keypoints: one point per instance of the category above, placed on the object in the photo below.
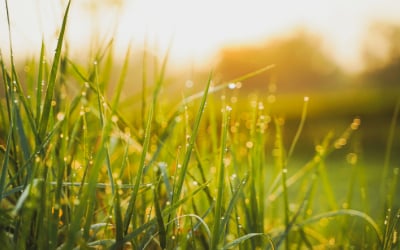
pixel 299 129
pixel 280 161
pixel 388 152
pixel 193 136
pixel 166 212
pixel 52 78
pixel 119 225
pixel 39 83
pixel 216 236
pixel 160 221
pixel 237 192
pixel 131 206
pixel 4 168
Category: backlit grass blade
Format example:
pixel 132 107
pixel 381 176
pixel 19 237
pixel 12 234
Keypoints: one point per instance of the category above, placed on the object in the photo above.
pixel 243 238
pixel 280 161
pixel 346 212
pixel 52 78
pixel 86 200
pixel 5 163
pixel 40 82
pixel 388 151
pixel 216 236
pixel 166 212
pixel 236 193
pixel 131 206
pixel 299 129
pixel 160 221
pixel 119 225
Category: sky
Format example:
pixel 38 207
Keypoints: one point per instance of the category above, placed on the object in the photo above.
pixel 197 29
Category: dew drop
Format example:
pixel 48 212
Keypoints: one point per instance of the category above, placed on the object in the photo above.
pixel 249 144
pixel 60 116
pixel 232 85
pixel 114 118
pixel 189 84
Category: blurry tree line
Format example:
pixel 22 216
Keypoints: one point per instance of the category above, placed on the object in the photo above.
pixel 303 66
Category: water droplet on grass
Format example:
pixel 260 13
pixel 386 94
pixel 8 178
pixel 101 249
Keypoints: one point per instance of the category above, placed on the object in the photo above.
pixel 232 85
pixel 189 84
pixel 60 116
pixel 114 118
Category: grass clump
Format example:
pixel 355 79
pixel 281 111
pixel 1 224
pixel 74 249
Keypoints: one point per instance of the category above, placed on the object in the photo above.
pixel 80 170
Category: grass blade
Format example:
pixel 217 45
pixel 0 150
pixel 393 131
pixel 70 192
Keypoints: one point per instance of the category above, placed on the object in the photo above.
pixel 243 238
pixel 216 236
pixel 52 78
pixel 192 140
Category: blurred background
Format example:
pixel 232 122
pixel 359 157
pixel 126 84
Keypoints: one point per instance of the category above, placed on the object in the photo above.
pixel 344 56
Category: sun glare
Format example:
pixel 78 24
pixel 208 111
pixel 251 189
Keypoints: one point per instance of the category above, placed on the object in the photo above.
pixel 197 29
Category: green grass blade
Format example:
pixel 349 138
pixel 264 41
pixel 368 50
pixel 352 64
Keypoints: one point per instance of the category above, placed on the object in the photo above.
pixel 237 192
pixel 4 167
pixel 166 212
pixel 192 140
pixel 346 212
pixel 119 225
pixel 160 221
pixel 299 129
pixel 52 78
pixel 243 238
pixel 131 206
pixel 388 152
pixel 216 236
pixel 39 83
pixel 280 161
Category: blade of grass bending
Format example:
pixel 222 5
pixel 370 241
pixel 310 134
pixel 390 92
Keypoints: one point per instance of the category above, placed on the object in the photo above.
pixel 348 212
pixel 299 129
pixel 243 238
pixel 192 140
pixel 52 78
pixel 216 236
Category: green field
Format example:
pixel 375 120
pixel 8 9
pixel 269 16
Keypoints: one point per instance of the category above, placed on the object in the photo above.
pixel 85 164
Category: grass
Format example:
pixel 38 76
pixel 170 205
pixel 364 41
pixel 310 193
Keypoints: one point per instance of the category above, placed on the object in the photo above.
pixel 80 170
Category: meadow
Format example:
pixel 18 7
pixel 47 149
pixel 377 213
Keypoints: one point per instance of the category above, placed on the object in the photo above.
pixel 87 165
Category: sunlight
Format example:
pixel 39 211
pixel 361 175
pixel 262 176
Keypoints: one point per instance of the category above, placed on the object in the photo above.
pixel 198 29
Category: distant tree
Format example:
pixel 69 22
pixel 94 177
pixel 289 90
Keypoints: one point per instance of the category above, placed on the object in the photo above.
pixel 381 53
pixel 301 63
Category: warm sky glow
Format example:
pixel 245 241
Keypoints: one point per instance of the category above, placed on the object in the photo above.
pixel 199 27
